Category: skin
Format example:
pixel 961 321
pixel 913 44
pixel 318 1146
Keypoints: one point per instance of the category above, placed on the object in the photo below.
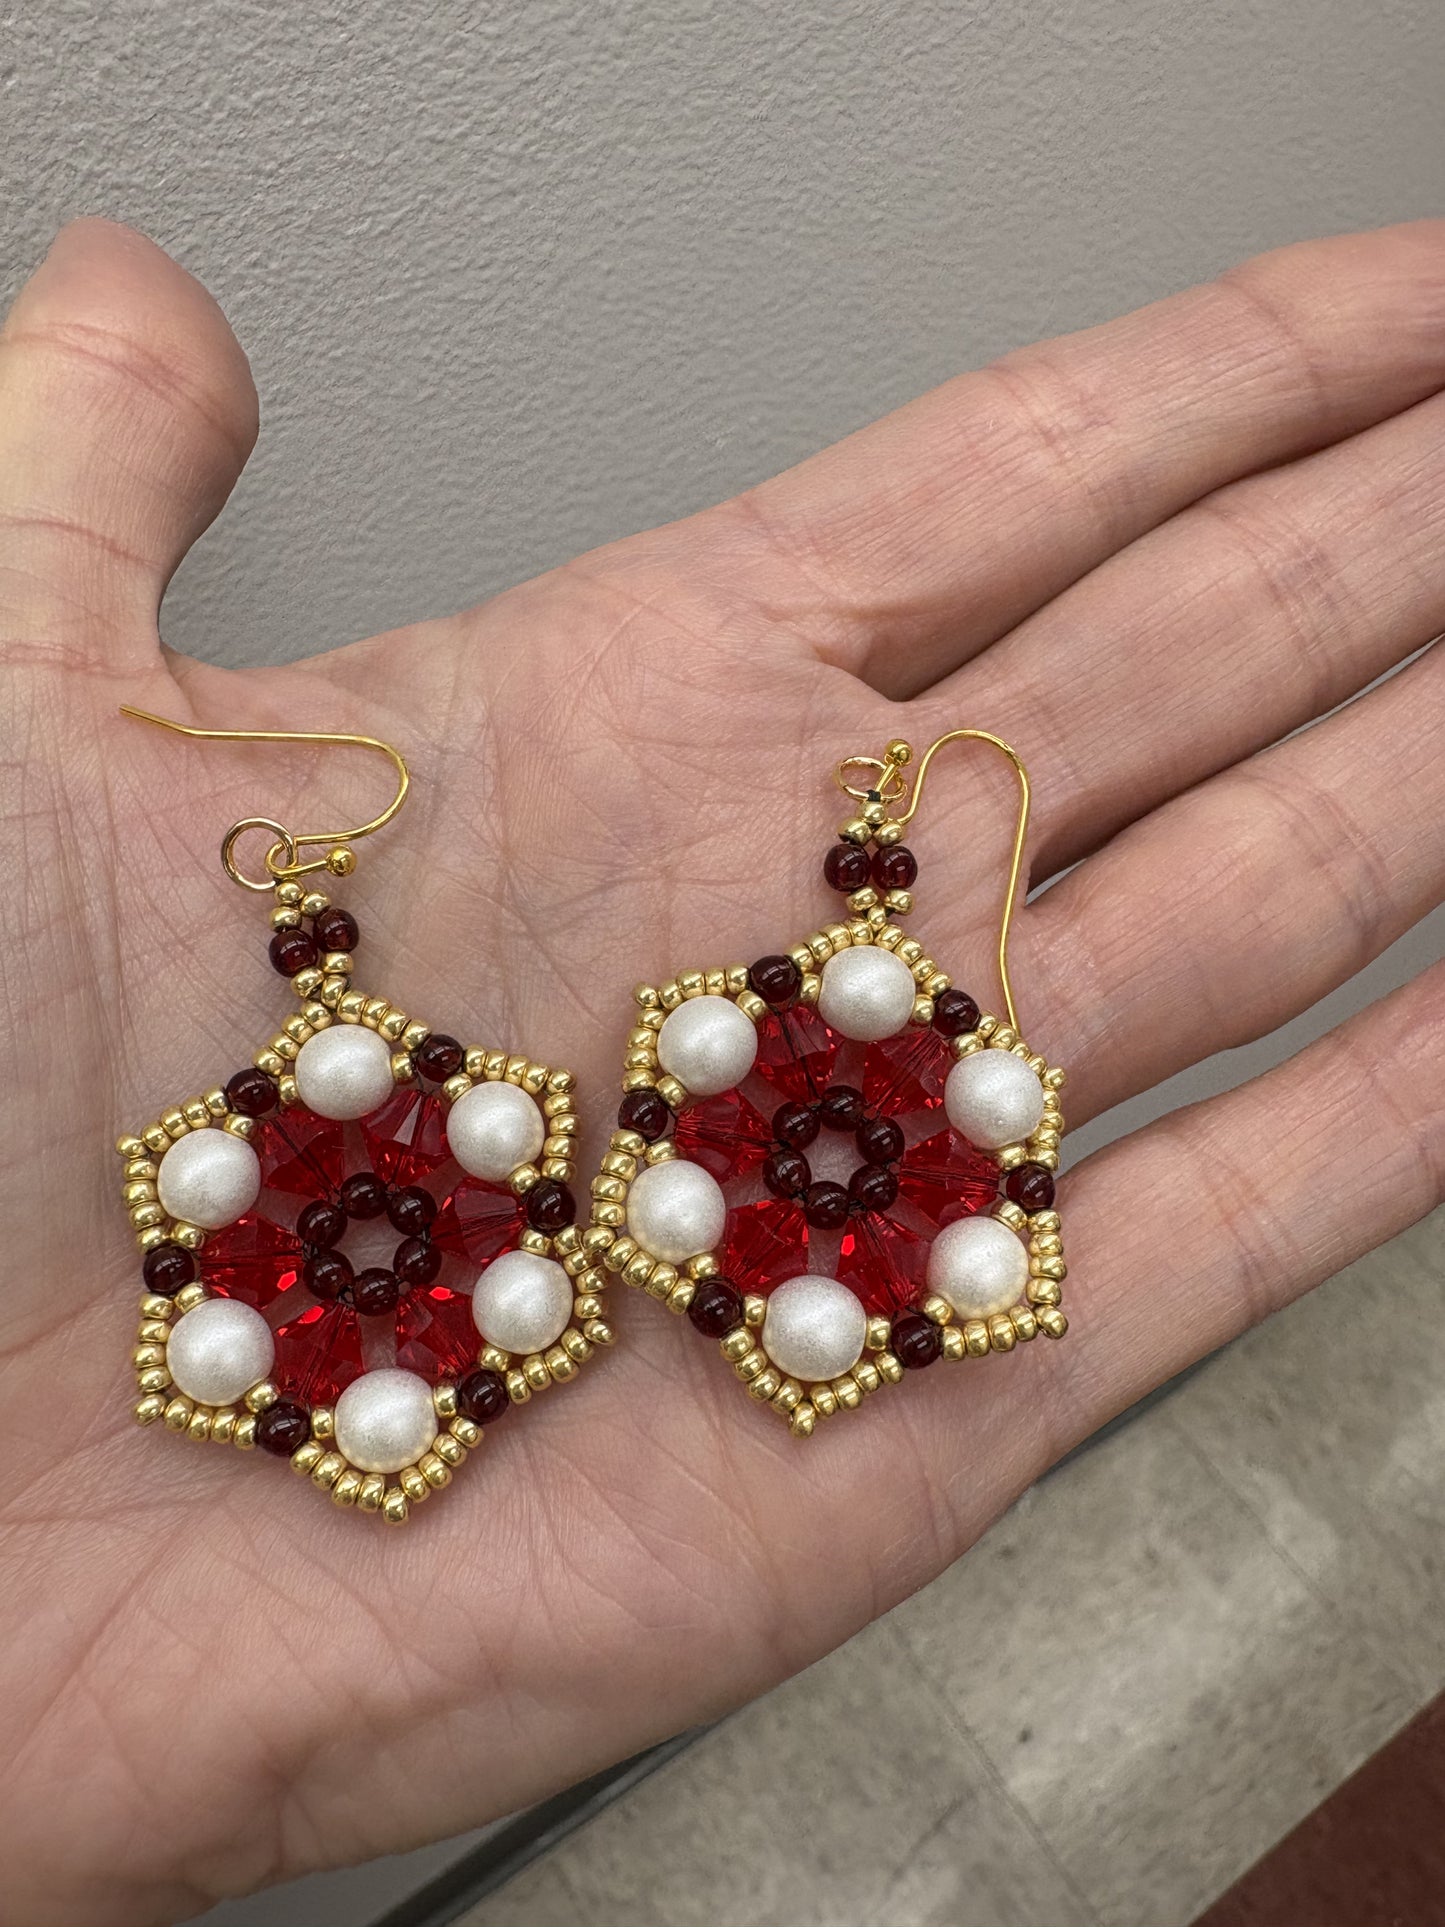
pixel 1143 554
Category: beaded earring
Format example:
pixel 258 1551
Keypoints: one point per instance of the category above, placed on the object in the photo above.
pixel 831 1160
pixel 359 1251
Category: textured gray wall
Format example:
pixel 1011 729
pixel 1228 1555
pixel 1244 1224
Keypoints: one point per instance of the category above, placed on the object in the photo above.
pixel 516 278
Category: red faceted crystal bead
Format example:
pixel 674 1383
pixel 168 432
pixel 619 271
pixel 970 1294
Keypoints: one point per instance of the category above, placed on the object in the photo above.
pixel 764 1243
pixel 883 1261
pixel 646 1112
pixel 337 930
pixel 479 1222
pixel 796 1052
pixel 725 1134
pixel 907 1072
pixel 252 1092
pixel 301 1153
pixel 318 1353
pixel 916 1341
pixel 406 1139
pixel 1031 1186
pixel 416 1261
pixel 253 1260
pixel 293 951
pixel 439 1058
pixel 946 1178
pixel 436 1335
pixel 482 1397
pixel 167 1269
pixel 845 867
pixel 775 979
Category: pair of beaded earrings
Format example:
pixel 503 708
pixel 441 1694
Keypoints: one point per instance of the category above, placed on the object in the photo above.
pixel 361 1251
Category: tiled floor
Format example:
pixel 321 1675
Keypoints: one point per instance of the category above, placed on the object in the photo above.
pixel 1175 1648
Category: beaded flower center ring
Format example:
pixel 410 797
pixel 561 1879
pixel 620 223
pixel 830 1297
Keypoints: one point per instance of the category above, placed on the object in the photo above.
pixel 831 1160
pixel 359 1252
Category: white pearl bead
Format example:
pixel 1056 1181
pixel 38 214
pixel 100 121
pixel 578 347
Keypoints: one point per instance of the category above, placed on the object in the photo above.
pixel 344 1071
pixel 522 1302
pixel 814 1328
pixel 385 1420
pixel 218 1350
pixel 209 1179
pixel 979 1266
pixel 993 1098
pixel 867 993
pixel 676 1210
pixel 492 1128
pixel 709 1044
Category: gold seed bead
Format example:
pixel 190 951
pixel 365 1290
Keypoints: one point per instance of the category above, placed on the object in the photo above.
pixel 900 902
pixel 244 1436
pixel 737 1344
pixel 144 1216
pixel 196 1114
pixel 937 983
pixel 200 1425
pixel 306 1456
pixel 879 1333
pixel 598 1241
pixel 434 1470
pixel 802 956
pixel 680 1297
pixel 537 1241
pixel 1001 1335
pixel 142 1171
pixel 810 988
pixel 376 1008
pixel 149 1408
pixel 189 1296
pixel 890 1368
pixel 1011 1156
pixel 751 1005
pixel 306 983
pixel 1009 1213
pixel 559 1364
pixel 394 1508
pixel 1025 1323
pixel 496 1360
pixel 534 1370
pixel 402 1070
pixel 328 1469
pixel 751 1363
pixel 922 1011
pixel 639 1270
pixel 130 1147
pixel 153 1331
pixel 289 891
pixel 414 1484
pixel 1053 1321
pixel 848 1393
pixel 937 1309
pixel 449 1447
pixel 755 1309
pixel 152 1305
pixel 156 1137
pixel 975 1337
pixel 704 1265
pixel 577 1346
pixel 611 1188
pixel 155 1379
pixel 598 1331
pixel 955 1344
pixel 444 1400
pixel 239 1126
pixel 855 830
pixel 140 1191
pixel 147 1355
pixel 1055 1079
pixel 1044 1291
pixel 347 1488
pixel 372 1492
pixel 766 1385
pixel 825 1400
pixel 394 1027
pixel 888 833
pixel 788 1395
pixel 586 1304
pixel 286 1085
pixel 523 1178
pixel 262 1397
pixel 1046 1244
pixel 177 1414
pixel 866 1375
pixel 466 1432
pixel 323 1423
pixel 645 995
pixel 663 1152
pixel 801 1421
pixel 223 1427
pixel 285 918
pixel 864 899
pixel 672 1092
pixel 1048 1268
pixel 174 1124
pixel 716 983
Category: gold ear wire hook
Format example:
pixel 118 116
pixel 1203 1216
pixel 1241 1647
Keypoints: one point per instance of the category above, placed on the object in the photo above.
pixel 899 754
pixel 288 845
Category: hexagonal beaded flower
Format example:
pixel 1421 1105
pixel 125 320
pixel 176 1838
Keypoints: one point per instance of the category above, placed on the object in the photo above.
pixel 834 1163
pixel 361 1251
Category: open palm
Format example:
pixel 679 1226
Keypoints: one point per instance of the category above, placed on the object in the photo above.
pixel 1144 555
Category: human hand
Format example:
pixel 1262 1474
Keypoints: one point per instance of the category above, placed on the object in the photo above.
pixel 1142 554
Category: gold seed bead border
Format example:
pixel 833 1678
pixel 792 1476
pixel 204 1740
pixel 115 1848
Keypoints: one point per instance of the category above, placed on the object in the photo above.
pixel 613 1249
pixel 327 997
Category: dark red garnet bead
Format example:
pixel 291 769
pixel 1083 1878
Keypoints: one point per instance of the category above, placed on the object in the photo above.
pixel 550 1206
pixel 716 1308
pixel 846 867
pixel 776 980
pixel 895 868
pixel 252 1092
pixel 327 1275
pixel 167 1269
pixel 645 1112
pixel 795 1125
pixel 336 930
pixel 1031 1186
pixel 482 1397
pixel 320 1223
pixel 376 1291
pixel 293 950
pixel 954 1012
pixel 416 1261
pixel 439 1058
pixel 917 1341
pixel 283 1428
pixel 873 1187
pixel 826 1206
pixel 787 1174
pixel 363 1195
pixel 842 1108
pixel 879 1140
pixel 410 1210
